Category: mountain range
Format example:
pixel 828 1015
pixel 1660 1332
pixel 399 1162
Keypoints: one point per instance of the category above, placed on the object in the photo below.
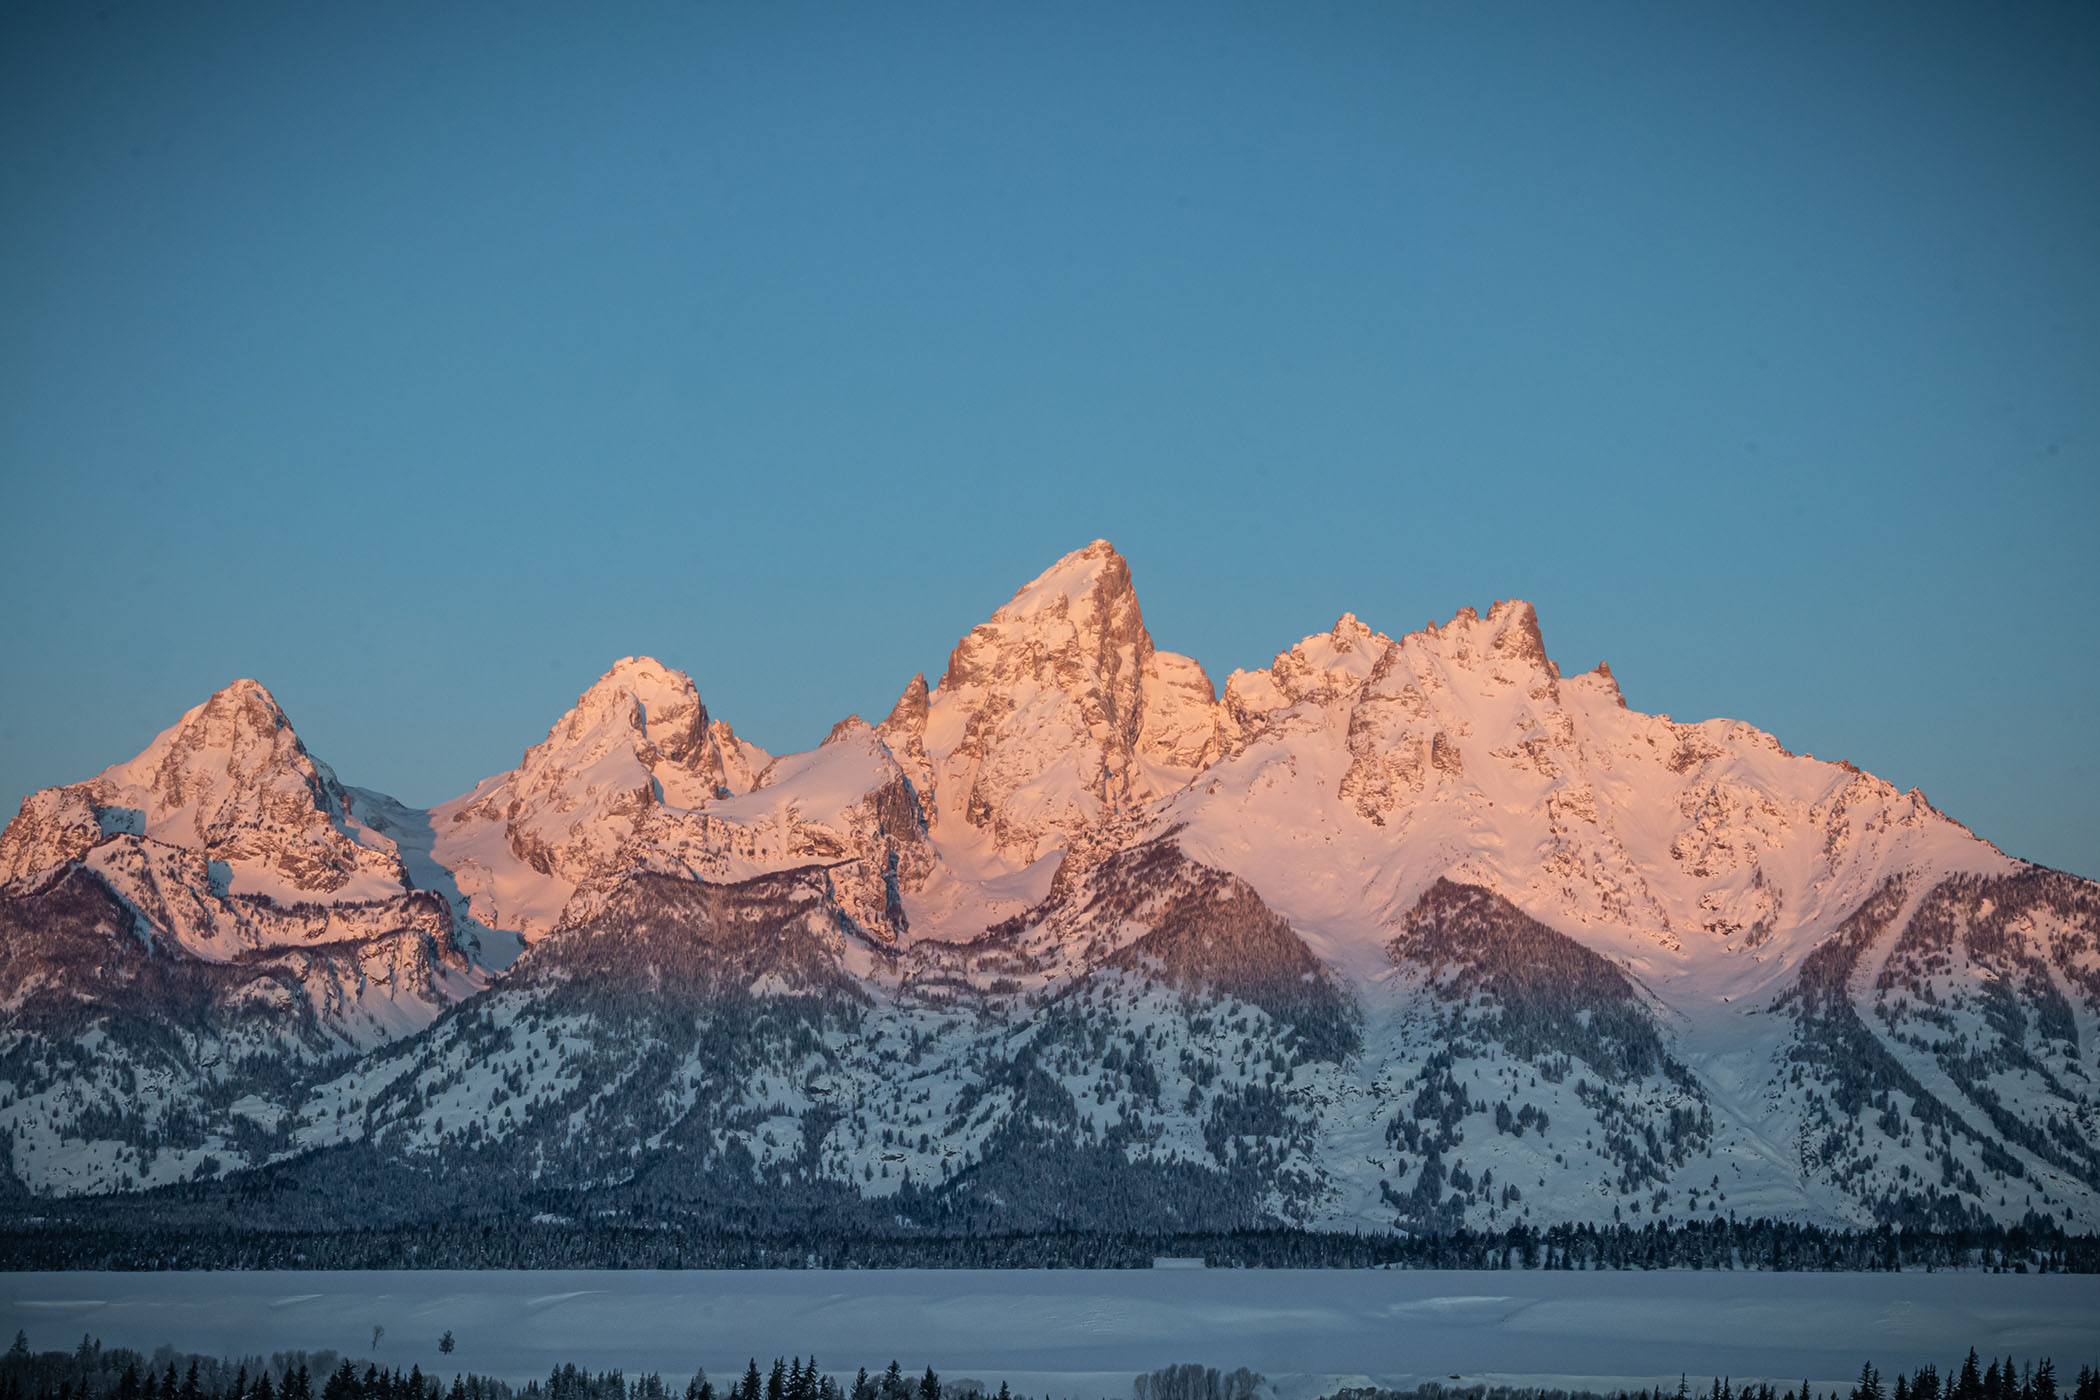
pixel 1398 933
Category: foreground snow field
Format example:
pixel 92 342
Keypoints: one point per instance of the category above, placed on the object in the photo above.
pixel 1086 1333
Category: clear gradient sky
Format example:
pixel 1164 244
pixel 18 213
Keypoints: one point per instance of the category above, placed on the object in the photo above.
pixel 421 360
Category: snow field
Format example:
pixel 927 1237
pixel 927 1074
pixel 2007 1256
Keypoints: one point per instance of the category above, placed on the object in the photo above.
pixel 1085 1333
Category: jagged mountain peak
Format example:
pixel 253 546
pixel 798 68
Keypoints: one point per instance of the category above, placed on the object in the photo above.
pixel 1460 749
pixel 1057 714
pixel 1600 678
pixel 217 899
pixel 1095 576
pixel 1286 912
pixel 656 702
pixel 903 731
pixel 232 781
pixel 640 730
pixel 1516 624
pixel 241 731
pixel 1083 609
pixel 848 729
pixel 1503 649
pixel 910 710
pixel 1350 631
pixel 241 691
pixel 643 677
pixel 638 739
pixel 1320 666
pixel 1510 632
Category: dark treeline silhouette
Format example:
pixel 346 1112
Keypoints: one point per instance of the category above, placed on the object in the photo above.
pixel 93 1372
pixel 1777 1246
pixel 1193 1382
pixel 1971 1380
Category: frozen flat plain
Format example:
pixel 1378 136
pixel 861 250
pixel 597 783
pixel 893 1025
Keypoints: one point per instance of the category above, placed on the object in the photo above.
pixel 1086 1332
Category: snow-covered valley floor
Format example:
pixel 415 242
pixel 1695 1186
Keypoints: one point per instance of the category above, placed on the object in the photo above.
pixel 1084 1333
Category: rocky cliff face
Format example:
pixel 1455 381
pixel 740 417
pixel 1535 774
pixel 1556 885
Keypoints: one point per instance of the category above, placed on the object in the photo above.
pixel 1057 715
pixel 231 782
pixel 1405 932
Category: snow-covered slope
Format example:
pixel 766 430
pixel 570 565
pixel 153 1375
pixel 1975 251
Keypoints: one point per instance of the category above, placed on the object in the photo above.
pixel 186 936
pixel 637 777
pixel 639 743
pixel 1397 932
pixel 1702 851
pixel 230 781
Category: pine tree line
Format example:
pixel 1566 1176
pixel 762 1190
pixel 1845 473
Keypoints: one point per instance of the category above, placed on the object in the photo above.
pixel 65 1241
pixel 93 1372
pixel 2009 1380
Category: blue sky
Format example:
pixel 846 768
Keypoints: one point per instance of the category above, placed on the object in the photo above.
pixel 422 360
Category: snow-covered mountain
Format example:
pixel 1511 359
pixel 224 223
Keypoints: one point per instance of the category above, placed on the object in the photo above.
pixel 1402 932
pixel 186 939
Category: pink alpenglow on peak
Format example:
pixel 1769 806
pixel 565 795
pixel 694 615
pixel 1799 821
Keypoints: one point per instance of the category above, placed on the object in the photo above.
pixel 1058 715
pixel 231 781
pixel 1671 950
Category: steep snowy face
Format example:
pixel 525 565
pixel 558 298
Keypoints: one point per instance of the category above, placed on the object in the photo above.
pixel 638 736
pixel 1056 716
pixel 637 777
pixel 846 805
pixel 1361 768
pixel 232 782
pixel 638 741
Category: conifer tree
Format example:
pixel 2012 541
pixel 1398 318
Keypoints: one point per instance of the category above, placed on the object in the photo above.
pixel 1969 1385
